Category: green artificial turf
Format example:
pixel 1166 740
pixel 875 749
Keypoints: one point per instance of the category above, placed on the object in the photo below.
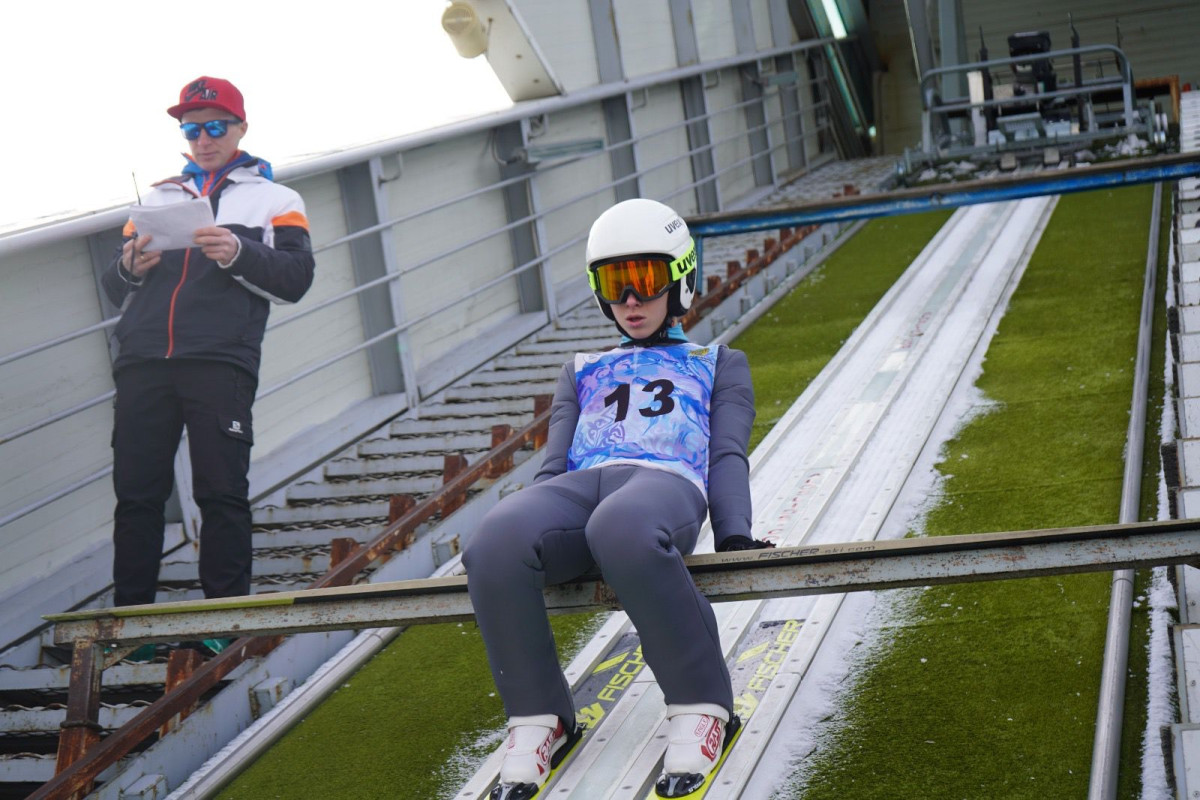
pixel 415 721
pixel 990 690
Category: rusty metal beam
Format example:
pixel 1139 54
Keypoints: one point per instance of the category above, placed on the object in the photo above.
pixel 722 577
pixel 81 729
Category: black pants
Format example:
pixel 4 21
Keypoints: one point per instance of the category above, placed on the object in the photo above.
pixel 155 400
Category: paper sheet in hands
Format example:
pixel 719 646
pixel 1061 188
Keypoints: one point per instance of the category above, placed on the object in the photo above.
pixel 173 225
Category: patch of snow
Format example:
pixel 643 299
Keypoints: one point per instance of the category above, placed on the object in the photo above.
pixel 865 618
pixel 816 714
pixel 1161 690
pixel 1160 710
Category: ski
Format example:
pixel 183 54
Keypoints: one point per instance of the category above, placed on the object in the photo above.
pixel 755 667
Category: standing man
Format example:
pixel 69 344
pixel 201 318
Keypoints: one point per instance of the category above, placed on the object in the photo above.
pixel 190 340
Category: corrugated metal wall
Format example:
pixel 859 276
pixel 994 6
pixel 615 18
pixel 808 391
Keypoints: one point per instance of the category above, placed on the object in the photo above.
pixel 1158 37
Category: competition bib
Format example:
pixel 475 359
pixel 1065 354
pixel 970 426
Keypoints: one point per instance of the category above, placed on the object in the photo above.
pixel 647 406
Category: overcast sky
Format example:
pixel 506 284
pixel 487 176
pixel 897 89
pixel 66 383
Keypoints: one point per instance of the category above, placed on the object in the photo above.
pixel 86 87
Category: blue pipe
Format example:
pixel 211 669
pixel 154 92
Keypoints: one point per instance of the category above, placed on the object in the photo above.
pixel 887 206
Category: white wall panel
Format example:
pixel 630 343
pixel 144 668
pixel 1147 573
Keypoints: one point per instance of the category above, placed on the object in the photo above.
pixel 572 190
pixel 760 14
pixel 432 279
pixel 50 291
pixel 714 29
pixel 730 141
pixel 646 39
pixel 36 546
pixel 562 30
pixel 315 337
pixel 1159 38
pixel 662 152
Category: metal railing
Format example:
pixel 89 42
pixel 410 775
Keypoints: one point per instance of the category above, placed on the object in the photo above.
pixel 937 109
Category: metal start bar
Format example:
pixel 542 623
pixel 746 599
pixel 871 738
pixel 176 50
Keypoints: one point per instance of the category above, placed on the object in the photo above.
pixel 950 195
pixel 722 577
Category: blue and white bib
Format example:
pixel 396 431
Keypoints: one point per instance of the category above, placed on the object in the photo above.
pixel 647 406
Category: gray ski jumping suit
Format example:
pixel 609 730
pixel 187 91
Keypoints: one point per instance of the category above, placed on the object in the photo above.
pixel 636 436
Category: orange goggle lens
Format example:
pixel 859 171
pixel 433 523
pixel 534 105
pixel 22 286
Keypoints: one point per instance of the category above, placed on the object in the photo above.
pixel 647 278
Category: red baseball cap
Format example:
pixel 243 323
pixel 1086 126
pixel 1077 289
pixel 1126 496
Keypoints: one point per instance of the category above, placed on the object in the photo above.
pixel 206 92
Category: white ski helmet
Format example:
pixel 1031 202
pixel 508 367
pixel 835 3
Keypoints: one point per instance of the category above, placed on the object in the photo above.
pixel 643 229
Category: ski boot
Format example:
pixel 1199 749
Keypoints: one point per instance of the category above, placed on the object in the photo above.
pixel 536 745
pixel 698 736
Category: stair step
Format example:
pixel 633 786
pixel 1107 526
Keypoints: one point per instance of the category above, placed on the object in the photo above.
pixel 326 512
pixel 391 466
pixel 575 333
pixel 18 719
pixel 482 409
pixel 283 562
pixel 55 679
pixel 33 768
pixel 268 538
pixel 189 589
pixel 500 391
pixel 379 487
pixel 415 428
pixel 591 344
pixel 537 374
pixel 589 316
pixel 530 360
pixel 427 445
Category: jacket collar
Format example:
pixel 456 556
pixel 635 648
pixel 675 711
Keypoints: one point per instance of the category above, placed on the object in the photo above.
pixel 243 167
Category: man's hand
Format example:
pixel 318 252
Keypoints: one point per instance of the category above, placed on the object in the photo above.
pixel 732 543
pixel 219 244
pixel 135 260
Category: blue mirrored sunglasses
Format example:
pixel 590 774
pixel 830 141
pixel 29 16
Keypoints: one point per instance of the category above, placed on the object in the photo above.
pixel 215 128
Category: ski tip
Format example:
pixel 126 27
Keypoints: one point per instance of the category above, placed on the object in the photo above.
pixel 514 791
pixel 678 785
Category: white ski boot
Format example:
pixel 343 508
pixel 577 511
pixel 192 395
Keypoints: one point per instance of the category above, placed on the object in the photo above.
pixel 533 744
pixel 698 734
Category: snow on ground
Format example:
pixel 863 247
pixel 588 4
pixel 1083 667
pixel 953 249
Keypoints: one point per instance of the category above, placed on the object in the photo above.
pixel 1161 710
pixel 864 617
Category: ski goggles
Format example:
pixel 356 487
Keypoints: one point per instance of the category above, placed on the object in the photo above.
pixel 215 128
pixel 647 276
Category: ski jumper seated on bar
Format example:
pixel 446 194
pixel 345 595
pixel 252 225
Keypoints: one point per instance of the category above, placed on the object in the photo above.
pixel 189 344
pixel 645 441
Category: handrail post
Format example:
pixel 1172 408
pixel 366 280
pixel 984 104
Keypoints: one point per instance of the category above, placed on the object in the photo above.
pixel 81 728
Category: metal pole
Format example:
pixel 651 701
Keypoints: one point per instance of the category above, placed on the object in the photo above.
pixel 1106 747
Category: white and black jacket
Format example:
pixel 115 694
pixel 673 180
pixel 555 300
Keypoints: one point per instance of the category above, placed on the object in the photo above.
pixel 188 306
